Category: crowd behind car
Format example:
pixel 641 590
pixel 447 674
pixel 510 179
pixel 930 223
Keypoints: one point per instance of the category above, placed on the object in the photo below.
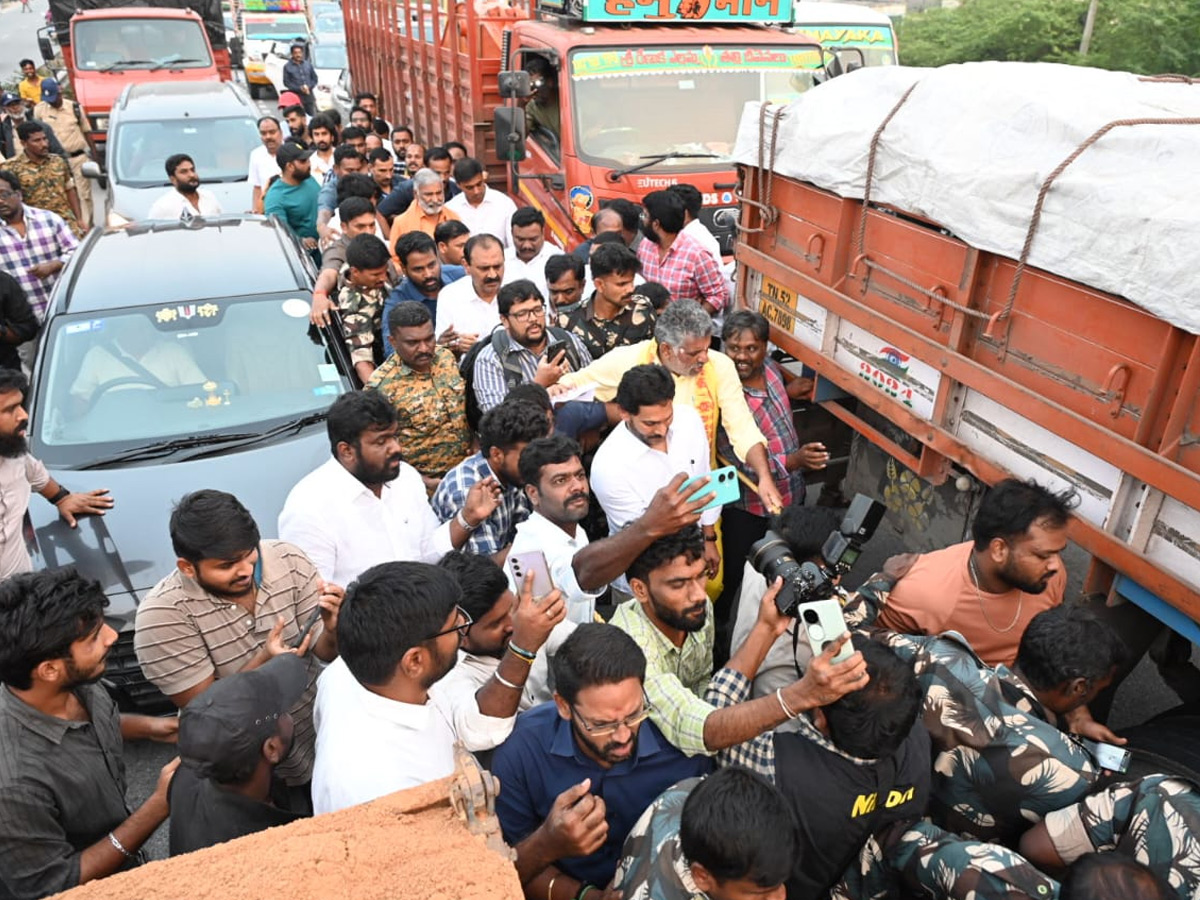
pixel 511 548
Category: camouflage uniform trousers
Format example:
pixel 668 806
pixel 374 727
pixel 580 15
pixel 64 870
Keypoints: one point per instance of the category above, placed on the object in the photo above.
pixel 925 861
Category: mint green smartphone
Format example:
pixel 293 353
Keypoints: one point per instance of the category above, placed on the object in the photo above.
pixel 723 483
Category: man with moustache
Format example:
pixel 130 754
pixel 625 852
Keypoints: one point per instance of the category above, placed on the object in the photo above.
pixel 366 506
pixel 676 260
pixel 383 721
pixel 263 166
pixel 704 378
pixel 293 196
pixel 671 619
pixel 467 309
pixel 21 475
pixel 422 382
pixel 526 350
pixel 233 603
pixel 187 199
pixel 579 772
pixel 613 316
pixel 529 249
pixel 64 820
pixel 654 441
pixel 324 138
pixel 424 273
pixel 427 210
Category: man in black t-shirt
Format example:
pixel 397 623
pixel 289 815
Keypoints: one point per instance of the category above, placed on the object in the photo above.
pixel 230 739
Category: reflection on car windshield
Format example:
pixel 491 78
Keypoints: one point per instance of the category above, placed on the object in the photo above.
pixel 219 148
pixel 157 373
pixel 329 56
pixel 115 44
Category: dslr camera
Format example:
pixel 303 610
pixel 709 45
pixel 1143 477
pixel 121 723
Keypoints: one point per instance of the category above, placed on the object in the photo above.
pixel 808 581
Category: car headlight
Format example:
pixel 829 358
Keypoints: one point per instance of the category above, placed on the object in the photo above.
pixel 100 123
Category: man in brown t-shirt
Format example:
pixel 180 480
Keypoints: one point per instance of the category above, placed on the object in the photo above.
pixel 233 603
pixel 989 588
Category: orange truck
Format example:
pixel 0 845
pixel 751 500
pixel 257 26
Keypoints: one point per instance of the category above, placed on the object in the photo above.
pixel 648 93
pixel 107 45
pixel 968 325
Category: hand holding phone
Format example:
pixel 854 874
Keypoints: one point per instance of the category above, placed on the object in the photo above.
pixel 532 562
pixel 722 484
pixel 1108 756
pixel 821 622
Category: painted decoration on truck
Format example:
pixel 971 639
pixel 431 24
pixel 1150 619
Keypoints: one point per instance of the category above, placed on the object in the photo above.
pixel 583 201
pixel 889 370
pixel 861 36
pixel 601 63
pixel 790 312
pixel 686 12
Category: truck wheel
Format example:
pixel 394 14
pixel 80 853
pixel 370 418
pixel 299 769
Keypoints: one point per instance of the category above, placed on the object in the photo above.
pixel 255 90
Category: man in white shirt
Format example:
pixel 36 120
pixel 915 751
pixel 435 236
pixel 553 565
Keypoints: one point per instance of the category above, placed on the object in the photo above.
pixel 467 308
pixel 557 487
pixel 383 722
pixel 482 209
pixel 365 506
pixel 655 441
pixel 527 255
pixel 493 663
pixel 324 136
pixel 187 199
pixel 262 161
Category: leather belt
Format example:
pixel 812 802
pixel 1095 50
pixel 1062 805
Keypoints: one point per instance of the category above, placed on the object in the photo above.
pixel 77 153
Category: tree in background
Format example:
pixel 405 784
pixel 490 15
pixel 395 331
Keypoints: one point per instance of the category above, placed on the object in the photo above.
pixel 1146 36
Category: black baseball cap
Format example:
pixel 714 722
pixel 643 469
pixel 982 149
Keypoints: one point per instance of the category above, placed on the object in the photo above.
pixel 290 152
pixel 221 732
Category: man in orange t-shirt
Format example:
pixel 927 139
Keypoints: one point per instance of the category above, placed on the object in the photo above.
pixel 989 588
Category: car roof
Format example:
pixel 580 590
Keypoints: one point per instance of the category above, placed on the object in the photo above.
pixel 223 256
pixel 157 100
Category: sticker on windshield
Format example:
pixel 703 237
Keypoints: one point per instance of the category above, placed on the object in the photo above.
pixel 328 372
pixel 296 308
pixel 186 311
pixel 81 327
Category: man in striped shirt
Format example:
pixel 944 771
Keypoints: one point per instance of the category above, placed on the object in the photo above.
pixel 233 603
pixel 35 244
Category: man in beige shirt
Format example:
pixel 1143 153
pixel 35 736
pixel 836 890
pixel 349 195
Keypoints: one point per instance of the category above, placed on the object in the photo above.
pixel 66 121
pixel 234 602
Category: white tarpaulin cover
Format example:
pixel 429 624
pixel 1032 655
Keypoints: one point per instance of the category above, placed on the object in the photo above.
pixel 973 144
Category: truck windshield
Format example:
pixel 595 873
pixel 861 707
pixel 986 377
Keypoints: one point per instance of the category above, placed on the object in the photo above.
pixel 114 45
pixel 689 99
pixel 854 45
pixel 178 370
pixel 219 147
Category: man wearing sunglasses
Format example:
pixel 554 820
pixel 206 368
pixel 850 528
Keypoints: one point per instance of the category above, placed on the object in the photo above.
pixel 579 772
pixel 383 722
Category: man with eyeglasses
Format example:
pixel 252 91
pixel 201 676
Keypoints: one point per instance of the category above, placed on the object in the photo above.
pixel 579 772
pixel 383 722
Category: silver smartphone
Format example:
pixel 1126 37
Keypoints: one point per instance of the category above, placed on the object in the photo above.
pixel 520 564
pixel 822 623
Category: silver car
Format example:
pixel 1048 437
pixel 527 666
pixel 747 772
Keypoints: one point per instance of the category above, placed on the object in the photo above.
pixel 212 122
pixel 175 357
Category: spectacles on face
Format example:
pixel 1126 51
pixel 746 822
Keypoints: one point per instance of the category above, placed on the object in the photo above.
pixel 602 729
pixel 464 625
pixel 525 315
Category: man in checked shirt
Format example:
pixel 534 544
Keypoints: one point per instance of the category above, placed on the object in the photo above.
pixel 35 244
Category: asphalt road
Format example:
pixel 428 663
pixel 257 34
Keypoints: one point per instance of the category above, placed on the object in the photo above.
pixel 18 36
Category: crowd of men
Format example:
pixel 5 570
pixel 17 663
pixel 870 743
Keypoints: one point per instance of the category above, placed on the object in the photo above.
pixel 511 548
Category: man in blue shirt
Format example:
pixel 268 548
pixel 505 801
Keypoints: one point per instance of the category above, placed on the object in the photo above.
pixel 425 276
pixel 579 772
pixel 293 197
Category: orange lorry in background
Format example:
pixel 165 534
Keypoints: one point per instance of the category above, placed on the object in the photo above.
pixel 108 45
pixel 649 94
pixel 956 367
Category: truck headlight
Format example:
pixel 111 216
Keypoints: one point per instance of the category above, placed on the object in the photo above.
pixel 100 123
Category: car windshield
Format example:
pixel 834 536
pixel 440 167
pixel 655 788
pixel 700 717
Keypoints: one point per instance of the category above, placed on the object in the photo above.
pixel 276 28
pixel 219 148
pixel 689 99
pixel 329 56
pixel 330 24
pixel 113 45
pixel 180 371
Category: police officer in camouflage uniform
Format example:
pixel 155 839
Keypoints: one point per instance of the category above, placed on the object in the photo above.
pixel 46 180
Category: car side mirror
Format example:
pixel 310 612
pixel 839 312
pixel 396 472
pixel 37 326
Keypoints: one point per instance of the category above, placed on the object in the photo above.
pixel 91 169
pixel 515 85
pixel 509 125
pixel 45 47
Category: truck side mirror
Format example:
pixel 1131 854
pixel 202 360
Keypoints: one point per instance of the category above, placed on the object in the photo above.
pixel 46 48
pixel 515 84
pixel 509 125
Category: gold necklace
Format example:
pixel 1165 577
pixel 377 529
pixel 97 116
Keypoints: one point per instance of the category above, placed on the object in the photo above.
pixel 983 608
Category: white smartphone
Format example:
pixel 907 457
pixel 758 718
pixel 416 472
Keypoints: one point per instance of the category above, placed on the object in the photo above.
pixel 822 623
pixel 520 564
pixel 1108 756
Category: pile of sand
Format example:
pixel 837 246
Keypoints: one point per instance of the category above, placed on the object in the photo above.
pixel 407 845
